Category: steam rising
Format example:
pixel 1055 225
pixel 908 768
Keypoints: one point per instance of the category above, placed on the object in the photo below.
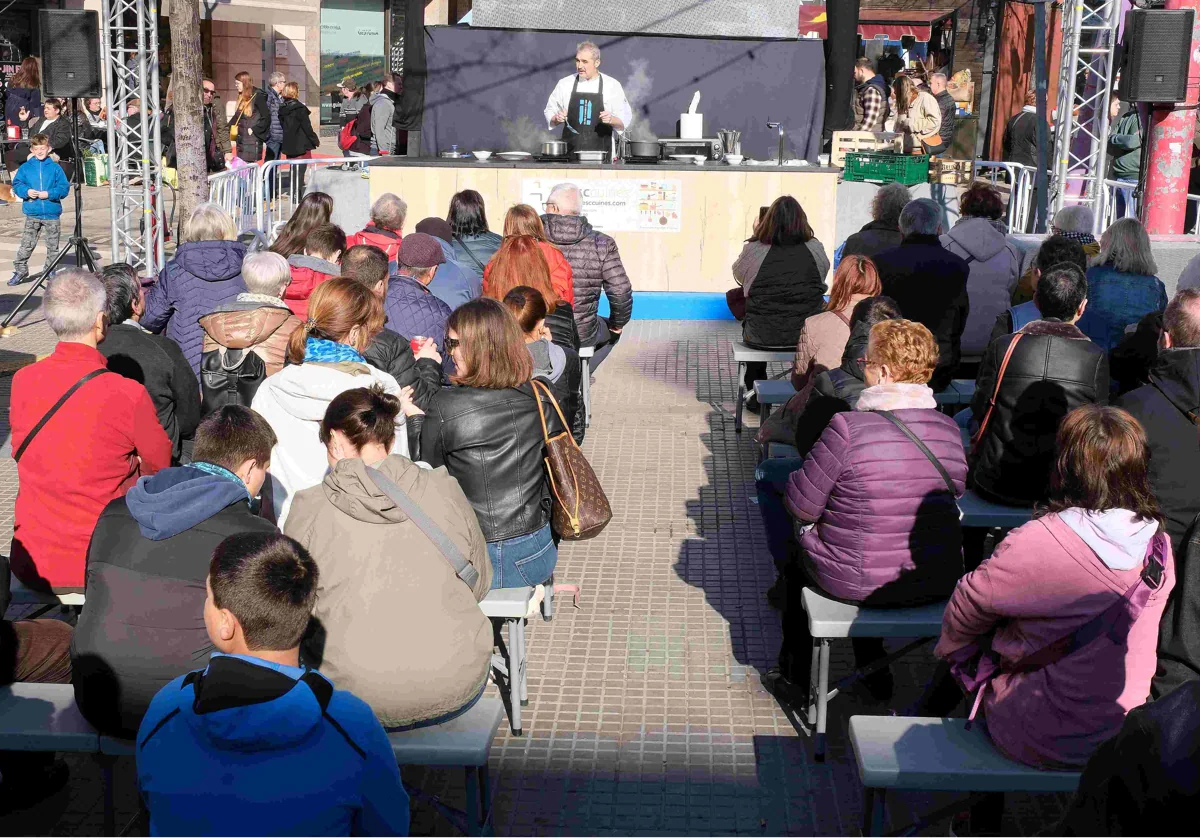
pixel 637 89
pixel 524 134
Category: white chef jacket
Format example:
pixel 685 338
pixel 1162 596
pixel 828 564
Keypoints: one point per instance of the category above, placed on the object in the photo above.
pixel 614 98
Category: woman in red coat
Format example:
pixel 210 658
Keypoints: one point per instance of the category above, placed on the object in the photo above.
pixel 523 220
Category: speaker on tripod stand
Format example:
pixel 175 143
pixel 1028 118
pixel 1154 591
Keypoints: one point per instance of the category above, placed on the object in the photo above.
pixel 70 48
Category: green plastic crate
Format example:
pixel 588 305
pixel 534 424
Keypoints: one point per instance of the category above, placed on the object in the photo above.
pixel 885 168
pixel 95 170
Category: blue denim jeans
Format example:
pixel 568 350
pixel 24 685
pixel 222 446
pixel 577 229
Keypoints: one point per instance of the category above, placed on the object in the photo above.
pixel 770 479
pixel 523 561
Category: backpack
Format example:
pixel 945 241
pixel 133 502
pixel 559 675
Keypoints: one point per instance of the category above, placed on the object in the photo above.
pixel 229 377
pixel 346 137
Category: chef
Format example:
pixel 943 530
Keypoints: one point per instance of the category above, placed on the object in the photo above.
pixel 590 105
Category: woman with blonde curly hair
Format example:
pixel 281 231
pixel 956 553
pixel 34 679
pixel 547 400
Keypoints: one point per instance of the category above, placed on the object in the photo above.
pixel 326 358
pixel 876 500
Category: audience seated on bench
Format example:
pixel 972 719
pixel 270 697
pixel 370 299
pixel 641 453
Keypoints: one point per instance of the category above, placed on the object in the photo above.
pixel 1027 383
pixel 905 504
pixel 254 744
pixel 1060 603
pixel 822 343
pixel 142 623
pixel 384 576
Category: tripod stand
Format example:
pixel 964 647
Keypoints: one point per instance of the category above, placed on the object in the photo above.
pixel 75 242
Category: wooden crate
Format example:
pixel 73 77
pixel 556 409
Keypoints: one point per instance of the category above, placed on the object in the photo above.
pixel 859 141
pixel 950 171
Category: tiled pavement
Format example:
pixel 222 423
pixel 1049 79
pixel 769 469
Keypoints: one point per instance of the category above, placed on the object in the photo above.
pixel 646 714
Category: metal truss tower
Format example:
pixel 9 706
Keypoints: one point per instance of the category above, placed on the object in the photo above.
pixel 130 64
pixel 1084 87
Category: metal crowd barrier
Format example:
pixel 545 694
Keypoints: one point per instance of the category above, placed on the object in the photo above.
pixel 1021 182
pixel 281 186
pixel 235 190
pixel 1109 214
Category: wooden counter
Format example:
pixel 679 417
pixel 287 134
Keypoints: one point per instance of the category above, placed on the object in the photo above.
pixel 718 205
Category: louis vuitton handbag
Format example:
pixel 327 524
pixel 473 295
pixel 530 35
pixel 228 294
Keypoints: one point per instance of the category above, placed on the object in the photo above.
pixel 580 509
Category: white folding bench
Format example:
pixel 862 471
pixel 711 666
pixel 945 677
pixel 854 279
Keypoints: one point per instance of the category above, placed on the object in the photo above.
pixel 829 619
pixel 772 392
pixel 743 354
pixel 510 606
pixel 782 450
pixel 24 596
pixel 585 358
pixel 463 742
pixel 978 512
pixel 43 717
pixel 937 754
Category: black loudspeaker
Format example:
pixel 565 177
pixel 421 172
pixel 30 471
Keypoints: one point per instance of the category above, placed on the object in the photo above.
pixel 1156 55
pixel 70 47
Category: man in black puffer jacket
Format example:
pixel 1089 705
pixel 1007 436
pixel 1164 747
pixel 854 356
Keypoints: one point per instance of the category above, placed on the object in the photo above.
pixel 1167 408
pixel 1053 369
pixel 143 624
pixel 596 264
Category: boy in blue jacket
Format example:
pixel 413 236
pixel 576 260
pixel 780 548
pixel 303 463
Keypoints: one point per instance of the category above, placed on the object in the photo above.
pixel 41 185
pixel 254 744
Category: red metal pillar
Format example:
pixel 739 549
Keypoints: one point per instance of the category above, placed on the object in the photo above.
pixel 1170 147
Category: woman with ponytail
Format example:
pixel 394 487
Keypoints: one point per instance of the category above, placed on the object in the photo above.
pixel 381 576
pixel 325 355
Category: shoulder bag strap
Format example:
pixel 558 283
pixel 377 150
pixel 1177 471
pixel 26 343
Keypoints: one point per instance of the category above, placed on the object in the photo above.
pixel 535 383
pixel 462 567
pixel 1012 345
pixel 470 254
pixel 54 410
pixel 933 459
pixel 845 320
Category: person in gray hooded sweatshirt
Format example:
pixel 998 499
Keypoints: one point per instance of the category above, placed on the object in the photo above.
pixel 143 624
pixel 560 365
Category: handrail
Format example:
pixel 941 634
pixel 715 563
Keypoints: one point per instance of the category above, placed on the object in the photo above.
pixel 271 190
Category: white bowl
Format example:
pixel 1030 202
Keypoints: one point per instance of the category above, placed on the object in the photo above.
pixel 699 159
pixel 735 160
pixel 482 155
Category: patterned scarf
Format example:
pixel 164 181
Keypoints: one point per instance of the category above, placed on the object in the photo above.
pixel 1082 237
pixel 221 472
pixel 324 350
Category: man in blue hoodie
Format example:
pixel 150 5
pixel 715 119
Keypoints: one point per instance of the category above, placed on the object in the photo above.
pixel 41 186
pixel 143 623
pixel 254 744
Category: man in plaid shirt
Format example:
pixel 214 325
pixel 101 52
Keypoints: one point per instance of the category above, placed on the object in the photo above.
pixel 870 97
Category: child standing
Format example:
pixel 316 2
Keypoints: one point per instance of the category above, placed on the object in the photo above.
pixel 41 185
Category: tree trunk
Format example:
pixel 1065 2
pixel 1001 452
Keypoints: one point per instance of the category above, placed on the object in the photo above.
pixel 186 78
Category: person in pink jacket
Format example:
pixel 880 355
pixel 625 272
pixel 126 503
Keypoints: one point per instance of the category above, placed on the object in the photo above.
pixel 1098 549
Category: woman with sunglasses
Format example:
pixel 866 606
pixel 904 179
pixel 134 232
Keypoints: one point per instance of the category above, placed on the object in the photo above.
pixel 487 433
pixel 875 502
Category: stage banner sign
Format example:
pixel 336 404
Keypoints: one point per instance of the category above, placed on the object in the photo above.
pixel 618 204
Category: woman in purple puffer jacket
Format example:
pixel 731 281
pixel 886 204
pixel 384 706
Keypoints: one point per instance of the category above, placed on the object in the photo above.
pixel 879 518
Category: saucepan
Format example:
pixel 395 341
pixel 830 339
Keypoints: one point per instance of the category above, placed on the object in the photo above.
pixel 554 148
pixel 642 149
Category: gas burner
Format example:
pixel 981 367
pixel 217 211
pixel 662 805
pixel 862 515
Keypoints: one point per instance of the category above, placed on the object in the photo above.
pixel 554 159
pixel 642 159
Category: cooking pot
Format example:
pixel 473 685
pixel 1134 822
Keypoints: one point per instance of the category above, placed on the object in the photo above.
pixel 642 149
pixel 554 148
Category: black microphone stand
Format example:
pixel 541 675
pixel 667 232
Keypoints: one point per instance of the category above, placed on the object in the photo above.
pixel 76 241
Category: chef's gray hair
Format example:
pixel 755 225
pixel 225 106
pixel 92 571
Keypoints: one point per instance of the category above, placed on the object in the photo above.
pixel 590 47
pixel 566 198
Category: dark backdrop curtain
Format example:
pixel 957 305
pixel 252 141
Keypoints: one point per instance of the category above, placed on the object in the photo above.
pixel 411 108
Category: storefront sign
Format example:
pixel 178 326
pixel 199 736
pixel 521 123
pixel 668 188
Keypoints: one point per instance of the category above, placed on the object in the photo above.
pixel 620 204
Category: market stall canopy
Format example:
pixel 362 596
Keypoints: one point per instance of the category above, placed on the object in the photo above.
pixel 882 24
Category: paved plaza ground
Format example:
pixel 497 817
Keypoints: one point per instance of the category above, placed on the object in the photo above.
pixel 646 713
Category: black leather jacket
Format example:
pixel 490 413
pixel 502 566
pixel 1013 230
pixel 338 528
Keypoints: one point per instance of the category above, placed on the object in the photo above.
pixel 390 352
pixel 491 441
pixel 1054 369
